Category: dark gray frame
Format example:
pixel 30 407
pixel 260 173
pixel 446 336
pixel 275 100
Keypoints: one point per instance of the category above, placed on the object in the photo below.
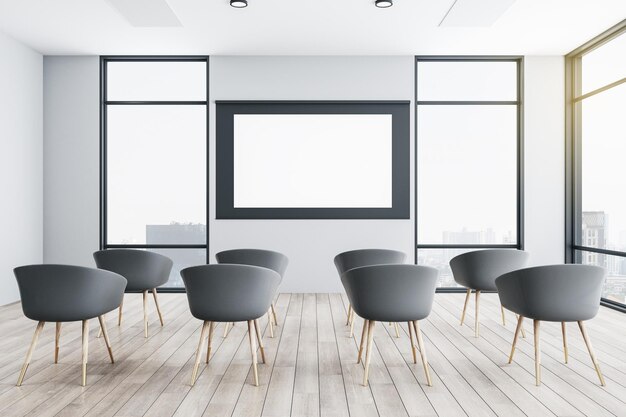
pixel 400 111
pixel 520 150
pixel 103 150
pixel 573 149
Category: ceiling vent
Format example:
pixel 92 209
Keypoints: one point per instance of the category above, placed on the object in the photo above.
pixel 146 13
pixel 475 13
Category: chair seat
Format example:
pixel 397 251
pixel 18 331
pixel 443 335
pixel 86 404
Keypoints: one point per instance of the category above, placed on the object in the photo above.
pixel 553 292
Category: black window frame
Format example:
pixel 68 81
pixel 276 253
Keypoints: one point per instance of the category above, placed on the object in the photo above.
pixel 519 103
pixel 104 102
pixel 573 149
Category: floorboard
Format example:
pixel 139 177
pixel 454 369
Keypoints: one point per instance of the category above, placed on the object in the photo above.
pixel 311 368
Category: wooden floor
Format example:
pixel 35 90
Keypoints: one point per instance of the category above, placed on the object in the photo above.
pixel 311 369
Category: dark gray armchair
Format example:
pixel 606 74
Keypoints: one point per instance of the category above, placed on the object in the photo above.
pixel 478 271
pixel 365 257
pixel 229 293
pixel 558 293
pixel 391 293
pixel 144 270
pixel 65 293
pixel 275 261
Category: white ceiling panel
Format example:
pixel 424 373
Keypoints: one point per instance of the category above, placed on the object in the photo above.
pixel 146 13
pixel 303 27
pixel 475 13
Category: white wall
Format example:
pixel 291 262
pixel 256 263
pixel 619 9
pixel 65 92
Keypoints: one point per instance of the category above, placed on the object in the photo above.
pixel 310 244
pixel 72 155
pixel 544 159
pixel 71 159
pixel 21 211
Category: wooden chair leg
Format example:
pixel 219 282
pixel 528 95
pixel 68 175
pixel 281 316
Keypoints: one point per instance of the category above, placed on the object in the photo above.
pixel 196 364
pixel 596 365
pixel 476 321
pixel 420 344
pixel 274 314
pixel 368 353
pixel 363 339
pixel 57 338
pixel 156 303
pixel 520 319
pixel 29 355
pixel 119 316
pixel 565 353
pixel 397 330
pixel 208 348
pixel 349 315
pixel 467 297
pixel 100 330
pixel 413 348
pixel 106 337
pixel 251 338
pixel 522 329
pixel 145 314
pixel 271 324
pixel 352 324
pixel 259 339
pixel 537 353
pixel 503 316
pixel 85 351
pixel 226 328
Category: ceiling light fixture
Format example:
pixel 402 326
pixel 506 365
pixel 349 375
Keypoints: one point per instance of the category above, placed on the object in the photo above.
pixel 239 4
pixel 383 4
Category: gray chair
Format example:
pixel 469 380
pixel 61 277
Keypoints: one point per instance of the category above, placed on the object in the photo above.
pixel 559 293
pixel 365 257
pixel 144 270
pixel 275 261
pixel 391 293
pixel 65 293
pixel 229 293
pixel 478 271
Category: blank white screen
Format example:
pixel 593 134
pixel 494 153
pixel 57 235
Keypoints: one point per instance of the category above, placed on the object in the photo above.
pixel 312 160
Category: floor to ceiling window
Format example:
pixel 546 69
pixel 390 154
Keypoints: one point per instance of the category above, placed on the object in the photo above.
pixel 154 157
pixel 596 79
pixel 469 191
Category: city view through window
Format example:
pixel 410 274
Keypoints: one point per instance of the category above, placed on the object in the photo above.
pixel 156 159
pixel 467 164
pixel 599 129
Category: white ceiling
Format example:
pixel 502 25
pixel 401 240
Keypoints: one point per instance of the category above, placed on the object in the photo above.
pixel 307 27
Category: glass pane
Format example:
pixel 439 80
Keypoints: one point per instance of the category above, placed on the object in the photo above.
pixel 603 151
pixel 615 286
pixel 471 81
pixel 440 259
pixel 604 65
pixel 182 258
pixel 160 81
pixel 467 174
pixel 156 174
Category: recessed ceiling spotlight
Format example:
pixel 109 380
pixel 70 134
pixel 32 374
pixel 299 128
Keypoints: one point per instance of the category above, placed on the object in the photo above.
pixel 239 4
pixel 383 4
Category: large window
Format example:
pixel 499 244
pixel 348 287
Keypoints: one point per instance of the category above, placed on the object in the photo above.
pixel 154 155
pixel 597 132
pixel 469 190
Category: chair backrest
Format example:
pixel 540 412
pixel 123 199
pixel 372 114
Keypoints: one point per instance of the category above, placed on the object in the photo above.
pixel 553 292
pixel 478 270
pixel 275 261
pixel 143 269
pixel 227 292
pixel 366 257
pixel 394 293
pixel 67 292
